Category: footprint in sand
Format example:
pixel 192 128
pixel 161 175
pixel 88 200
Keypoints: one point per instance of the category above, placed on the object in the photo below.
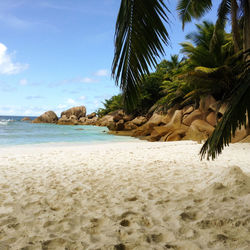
pixel 134 198
pixel 119 247
pixel 156 238
pixel 125 223
pixel 54 244
pixel 188 216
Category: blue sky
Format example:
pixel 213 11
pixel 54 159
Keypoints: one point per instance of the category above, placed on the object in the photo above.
pixel 56 54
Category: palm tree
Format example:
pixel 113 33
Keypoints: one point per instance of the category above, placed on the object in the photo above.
pixel 189 9
pixel 198 50
pixel 139 38
pixel 204 72
pixel 210 72
pixel 239 105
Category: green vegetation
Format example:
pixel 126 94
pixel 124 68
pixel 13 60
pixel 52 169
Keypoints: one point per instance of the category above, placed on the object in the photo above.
pixel 217 63
pixel 184 81
pixel 112 104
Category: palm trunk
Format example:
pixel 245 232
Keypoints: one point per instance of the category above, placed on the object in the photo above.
pixel 246 30
pixel 235 26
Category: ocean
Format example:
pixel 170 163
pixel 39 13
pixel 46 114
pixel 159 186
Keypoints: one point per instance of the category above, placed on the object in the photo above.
pixel 13 131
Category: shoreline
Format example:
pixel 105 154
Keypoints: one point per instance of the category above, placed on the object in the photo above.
pixel 69 144
pixel 132 195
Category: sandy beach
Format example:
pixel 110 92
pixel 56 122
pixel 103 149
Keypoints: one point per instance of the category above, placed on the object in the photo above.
pixel 131 195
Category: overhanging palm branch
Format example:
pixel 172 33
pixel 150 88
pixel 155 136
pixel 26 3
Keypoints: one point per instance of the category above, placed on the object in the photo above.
pixel 189 9
pixel 139 38
pixel 235 117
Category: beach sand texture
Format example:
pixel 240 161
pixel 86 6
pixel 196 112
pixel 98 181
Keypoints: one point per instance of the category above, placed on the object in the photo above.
pixel 135 195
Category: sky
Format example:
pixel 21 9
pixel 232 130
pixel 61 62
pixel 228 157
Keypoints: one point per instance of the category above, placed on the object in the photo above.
pixel 57 54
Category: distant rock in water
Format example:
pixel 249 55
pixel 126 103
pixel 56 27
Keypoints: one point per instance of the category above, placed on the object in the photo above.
pixel 26 119
pixel 47 117
pixel 77 111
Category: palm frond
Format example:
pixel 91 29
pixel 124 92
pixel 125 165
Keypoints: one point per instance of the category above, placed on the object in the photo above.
pixel 139 38
pixel 223 11
pixel 192 8
pixel 235 117
pixel 206 70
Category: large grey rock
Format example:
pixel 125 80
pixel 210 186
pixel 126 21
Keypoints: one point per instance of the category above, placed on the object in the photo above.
pixel 140 120
pixel 195 115
pixel 64 120
pixel 129 126
pixel 211 118
pixel 116 126
pixel 86 121
pixel 47 117
pixel 105 120
pixel 199 130
pixel 206 102
pixel 156 119
pixel 173 125
pixel 92 115
pixel 77 111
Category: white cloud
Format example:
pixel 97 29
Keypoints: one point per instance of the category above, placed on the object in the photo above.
pixel 102 72
pixel 7 67
pixel 82 97
pixel 71 101
pixel 87 80
pixel 23 82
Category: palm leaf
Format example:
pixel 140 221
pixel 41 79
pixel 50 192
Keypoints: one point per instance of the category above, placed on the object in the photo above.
pixel 192 8
pixel 139 38
pixel 236 116
pixel 223 11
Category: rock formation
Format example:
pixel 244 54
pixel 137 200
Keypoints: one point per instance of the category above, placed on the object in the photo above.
pixel 72 116
pixel 92 115
pixel 77 111
pixel 64 120
pixel 26 119
pixel 176 124
pixel 187 123
pixel 47 117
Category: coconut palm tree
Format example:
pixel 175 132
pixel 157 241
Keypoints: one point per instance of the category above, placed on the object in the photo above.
pixel 139 38
pixel 239 104
pixel 140 33
pixel 198 50
pixel 210 71
pixel 189 9
pixel 204 72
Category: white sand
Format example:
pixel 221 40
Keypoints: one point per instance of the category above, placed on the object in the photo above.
pixel 135 195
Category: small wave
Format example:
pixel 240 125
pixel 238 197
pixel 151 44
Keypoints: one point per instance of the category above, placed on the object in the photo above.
pixel 5 122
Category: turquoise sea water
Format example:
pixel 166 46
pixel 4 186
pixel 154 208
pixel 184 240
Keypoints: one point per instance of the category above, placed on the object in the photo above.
pixel 15 132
